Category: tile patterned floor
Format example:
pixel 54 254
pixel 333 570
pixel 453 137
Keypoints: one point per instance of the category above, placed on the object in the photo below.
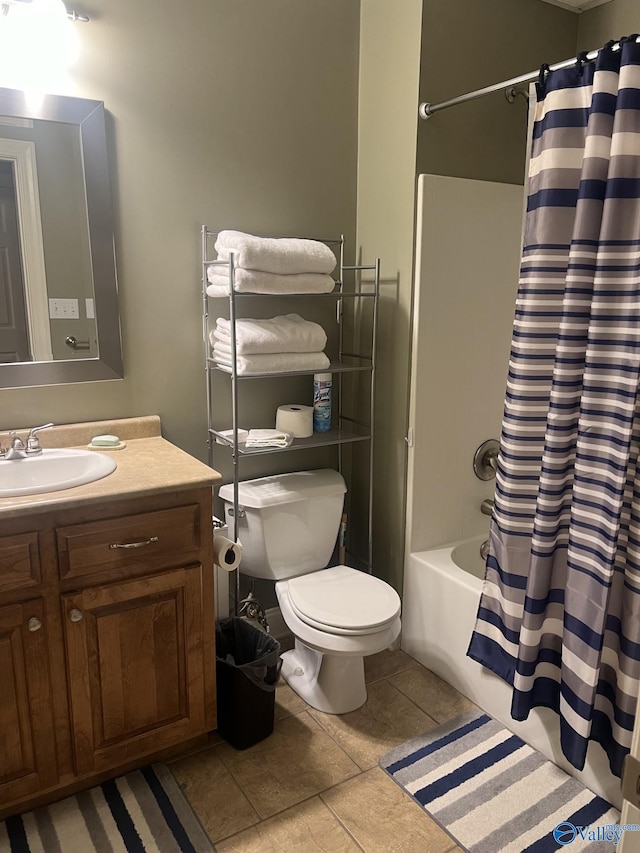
pixel 315 784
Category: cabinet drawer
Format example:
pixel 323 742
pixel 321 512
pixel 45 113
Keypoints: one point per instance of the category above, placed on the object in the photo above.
pixel 19 561
pixel 150 541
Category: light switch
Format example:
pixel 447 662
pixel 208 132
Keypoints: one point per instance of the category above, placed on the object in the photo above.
pixel 63 309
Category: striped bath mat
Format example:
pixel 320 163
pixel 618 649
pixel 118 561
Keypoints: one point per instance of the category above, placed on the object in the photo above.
pixel 494 794
pixel 142 812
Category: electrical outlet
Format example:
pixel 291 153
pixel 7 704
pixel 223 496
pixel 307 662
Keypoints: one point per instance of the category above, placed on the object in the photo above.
pixel 63 309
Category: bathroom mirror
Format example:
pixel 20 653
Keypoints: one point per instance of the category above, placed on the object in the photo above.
pixel 59 319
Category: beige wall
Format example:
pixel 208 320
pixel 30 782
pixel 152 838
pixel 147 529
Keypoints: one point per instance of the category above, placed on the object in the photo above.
pixel 388 101
pixel 236 114
pixel 414 51
pixel 615 19
pixel 467 45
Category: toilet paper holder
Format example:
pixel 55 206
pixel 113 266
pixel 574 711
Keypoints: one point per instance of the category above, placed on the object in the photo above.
pixel 241 512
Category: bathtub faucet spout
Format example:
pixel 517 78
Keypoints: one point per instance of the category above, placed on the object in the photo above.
pixel 486 507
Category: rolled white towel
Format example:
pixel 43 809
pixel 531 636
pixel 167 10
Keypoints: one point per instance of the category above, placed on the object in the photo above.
pixel 271 362
pixel 282 255
pixel 285 333
pixel 255 281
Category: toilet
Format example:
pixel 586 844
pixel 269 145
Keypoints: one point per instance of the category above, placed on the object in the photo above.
pixel 288 528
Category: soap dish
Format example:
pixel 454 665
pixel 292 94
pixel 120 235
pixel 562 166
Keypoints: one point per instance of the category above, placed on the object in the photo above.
pixel 102 448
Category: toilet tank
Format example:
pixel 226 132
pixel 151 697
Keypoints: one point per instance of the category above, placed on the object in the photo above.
pixel 290 523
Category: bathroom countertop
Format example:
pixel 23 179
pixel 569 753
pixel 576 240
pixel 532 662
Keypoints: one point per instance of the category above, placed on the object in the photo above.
pixel 149 464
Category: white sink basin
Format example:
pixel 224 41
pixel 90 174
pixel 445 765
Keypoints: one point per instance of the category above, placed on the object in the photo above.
pixel 51 471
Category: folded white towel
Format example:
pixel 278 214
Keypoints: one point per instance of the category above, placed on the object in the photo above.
pixel 268 438
pixel 284 255
pixel 286 333
pixel 271 362
pixel 254 281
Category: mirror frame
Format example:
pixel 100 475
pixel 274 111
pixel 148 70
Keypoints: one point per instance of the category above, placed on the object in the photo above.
pixel 89 115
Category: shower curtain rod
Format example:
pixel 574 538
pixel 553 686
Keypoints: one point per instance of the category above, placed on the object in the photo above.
pixel 425 110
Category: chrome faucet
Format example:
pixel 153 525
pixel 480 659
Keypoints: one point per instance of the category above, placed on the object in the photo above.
pixel 486 507
pixel 18 450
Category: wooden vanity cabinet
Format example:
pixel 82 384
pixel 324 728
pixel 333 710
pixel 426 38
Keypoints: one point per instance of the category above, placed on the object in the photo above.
pixel 122 664
pixel 27 745
pixel 134 666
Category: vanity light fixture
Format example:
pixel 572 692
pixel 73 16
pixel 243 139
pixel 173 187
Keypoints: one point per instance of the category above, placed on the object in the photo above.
pixel 5 5
pixel 38 43
pixel 76 16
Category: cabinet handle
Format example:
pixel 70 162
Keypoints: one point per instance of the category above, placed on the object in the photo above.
pixel 76 615
pixel 34 624
pixel 148 541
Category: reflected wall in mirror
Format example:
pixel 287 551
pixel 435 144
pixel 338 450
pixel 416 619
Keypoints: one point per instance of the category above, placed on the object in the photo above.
pixel 58 294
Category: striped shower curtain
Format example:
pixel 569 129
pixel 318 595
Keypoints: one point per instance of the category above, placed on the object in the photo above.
pixel 559 617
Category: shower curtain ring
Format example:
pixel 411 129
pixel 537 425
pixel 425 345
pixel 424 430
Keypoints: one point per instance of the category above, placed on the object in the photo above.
pixel 542 79
pixel 581 58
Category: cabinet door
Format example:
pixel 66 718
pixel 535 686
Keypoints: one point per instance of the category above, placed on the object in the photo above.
pixel 27 747
pixel 135 666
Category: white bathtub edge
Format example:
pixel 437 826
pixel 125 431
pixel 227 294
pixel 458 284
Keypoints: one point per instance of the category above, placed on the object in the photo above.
pixel 440 603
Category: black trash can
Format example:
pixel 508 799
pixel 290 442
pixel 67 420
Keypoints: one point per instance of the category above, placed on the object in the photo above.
pixel 247 670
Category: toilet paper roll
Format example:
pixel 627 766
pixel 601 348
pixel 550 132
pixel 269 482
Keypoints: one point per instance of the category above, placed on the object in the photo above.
pixel 226 554
pixel 295 419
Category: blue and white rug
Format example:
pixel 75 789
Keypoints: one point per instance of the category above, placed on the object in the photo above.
pixel 142 812
pixel 494 794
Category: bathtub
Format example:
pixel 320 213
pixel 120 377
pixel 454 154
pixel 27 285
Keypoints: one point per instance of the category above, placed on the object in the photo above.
pixel 442 589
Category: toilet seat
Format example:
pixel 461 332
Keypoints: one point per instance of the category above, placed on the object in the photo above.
pixel 331 641
pixel 343 601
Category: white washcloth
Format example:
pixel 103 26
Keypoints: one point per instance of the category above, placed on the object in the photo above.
pixel 286 333
pixel 272 362
pixel 254 281
pixel 285 255
pixel 268 438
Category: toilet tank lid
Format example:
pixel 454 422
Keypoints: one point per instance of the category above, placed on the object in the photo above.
pixel 285 488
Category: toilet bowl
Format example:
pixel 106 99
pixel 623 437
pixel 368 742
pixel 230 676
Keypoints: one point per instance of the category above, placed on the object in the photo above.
pixel 337 615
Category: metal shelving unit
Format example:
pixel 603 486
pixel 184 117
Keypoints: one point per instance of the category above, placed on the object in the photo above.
pixel 348 429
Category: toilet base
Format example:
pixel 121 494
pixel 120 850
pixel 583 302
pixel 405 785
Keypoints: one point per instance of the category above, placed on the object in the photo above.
pixel 330 683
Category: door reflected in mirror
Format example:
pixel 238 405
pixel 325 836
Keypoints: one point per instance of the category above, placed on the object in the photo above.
pixel 58 294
